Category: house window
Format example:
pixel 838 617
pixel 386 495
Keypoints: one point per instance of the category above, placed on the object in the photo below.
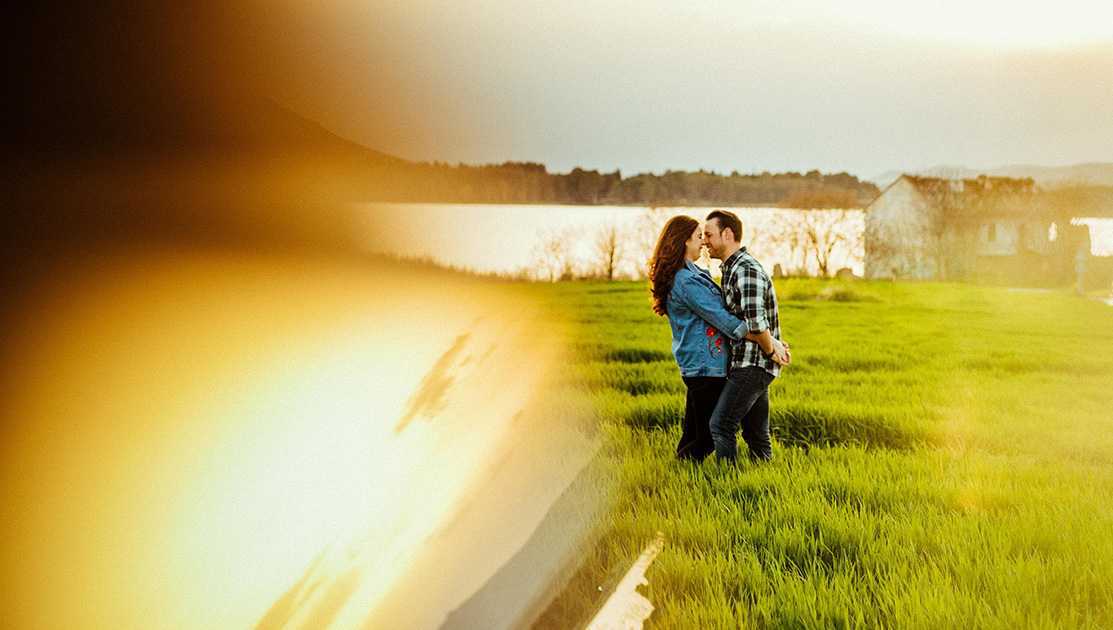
pixel 991 232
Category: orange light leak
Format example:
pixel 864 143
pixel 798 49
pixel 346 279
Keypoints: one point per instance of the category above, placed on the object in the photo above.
pixel 197 442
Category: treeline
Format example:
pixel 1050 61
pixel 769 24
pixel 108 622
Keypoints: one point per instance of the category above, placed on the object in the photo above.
pixel 529 182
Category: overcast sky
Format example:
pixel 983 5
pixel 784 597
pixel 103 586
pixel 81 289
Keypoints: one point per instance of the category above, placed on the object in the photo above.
pixel 750 85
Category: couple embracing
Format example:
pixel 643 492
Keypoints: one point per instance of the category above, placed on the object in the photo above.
pixel 726 341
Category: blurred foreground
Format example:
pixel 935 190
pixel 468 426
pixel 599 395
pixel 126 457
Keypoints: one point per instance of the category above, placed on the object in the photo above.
pixel 222 440
pixel 216 411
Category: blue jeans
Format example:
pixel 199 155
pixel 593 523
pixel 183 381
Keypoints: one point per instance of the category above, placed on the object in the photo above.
pixel 744 402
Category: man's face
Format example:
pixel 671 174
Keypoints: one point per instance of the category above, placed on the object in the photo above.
pixel 713 239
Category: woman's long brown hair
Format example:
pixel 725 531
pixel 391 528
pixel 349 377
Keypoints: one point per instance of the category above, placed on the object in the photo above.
pixel 668 258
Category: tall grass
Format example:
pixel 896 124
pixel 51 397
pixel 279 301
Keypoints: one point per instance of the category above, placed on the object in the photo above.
pixel 942 458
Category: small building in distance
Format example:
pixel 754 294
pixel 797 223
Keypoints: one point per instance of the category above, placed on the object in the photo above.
pixel 987 228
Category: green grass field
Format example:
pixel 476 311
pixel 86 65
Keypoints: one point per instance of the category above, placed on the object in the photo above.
pixel 943 457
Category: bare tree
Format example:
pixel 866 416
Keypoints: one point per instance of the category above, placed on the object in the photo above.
pixel 941 209
pixel 882 254
pixel 824 230
pixel 821 224
pixel 801 235
pixel 783 239
pixel 553 254
pixel 647 230
pixel 610 250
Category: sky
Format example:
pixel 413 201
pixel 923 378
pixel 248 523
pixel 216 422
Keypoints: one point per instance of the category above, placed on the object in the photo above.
pixel 864 86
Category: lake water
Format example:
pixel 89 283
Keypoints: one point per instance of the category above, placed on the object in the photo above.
pixel 507 238
pixel 510 239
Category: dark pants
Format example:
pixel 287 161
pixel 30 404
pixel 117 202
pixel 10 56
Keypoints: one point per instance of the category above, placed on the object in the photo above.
pixel 743 403
pixel 695 437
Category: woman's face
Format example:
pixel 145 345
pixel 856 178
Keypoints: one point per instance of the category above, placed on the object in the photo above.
pixel 695 244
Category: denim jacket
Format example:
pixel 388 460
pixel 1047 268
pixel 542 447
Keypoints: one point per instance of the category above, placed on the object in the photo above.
pixel 699 321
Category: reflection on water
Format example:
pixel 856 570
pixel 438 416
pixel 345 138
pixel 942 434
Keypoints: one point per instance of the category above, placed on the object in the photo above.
pixel 238 443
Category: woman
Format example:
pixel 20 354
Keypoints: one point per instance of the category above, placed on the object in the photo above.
pixel 694 305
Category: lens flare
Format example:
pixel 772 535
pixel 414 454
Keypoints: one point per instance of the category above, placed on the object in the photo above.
pixel 234 443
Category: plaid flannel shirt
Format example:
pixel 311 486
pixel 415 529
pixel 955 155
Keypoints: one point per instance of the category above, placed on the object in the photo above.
pixel 749 295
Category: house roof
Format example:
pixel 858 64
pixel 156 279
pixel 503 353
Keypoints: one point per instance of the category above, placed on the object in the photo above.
pixel 988 196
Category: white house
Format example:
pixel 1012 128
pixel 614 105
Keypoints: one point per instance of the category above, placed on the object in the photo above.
pixel 926 227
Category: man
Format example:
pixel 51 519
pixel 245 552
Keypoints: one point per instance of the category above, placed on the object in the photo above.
pixel 756 359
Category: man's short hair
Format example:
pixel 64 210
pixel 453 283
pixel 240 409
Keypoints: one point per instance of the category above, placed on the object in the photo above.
pixel 728 220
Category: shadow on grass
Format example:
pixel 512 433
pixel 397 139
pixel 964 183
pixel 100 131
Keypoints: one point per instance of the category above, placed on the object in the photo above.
pixel 609 354
pixel 638 385
pixel 840 364
pixel 806 425
pixel 792 424
pixel 636 379
pixel 645 412
pixel 636 355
